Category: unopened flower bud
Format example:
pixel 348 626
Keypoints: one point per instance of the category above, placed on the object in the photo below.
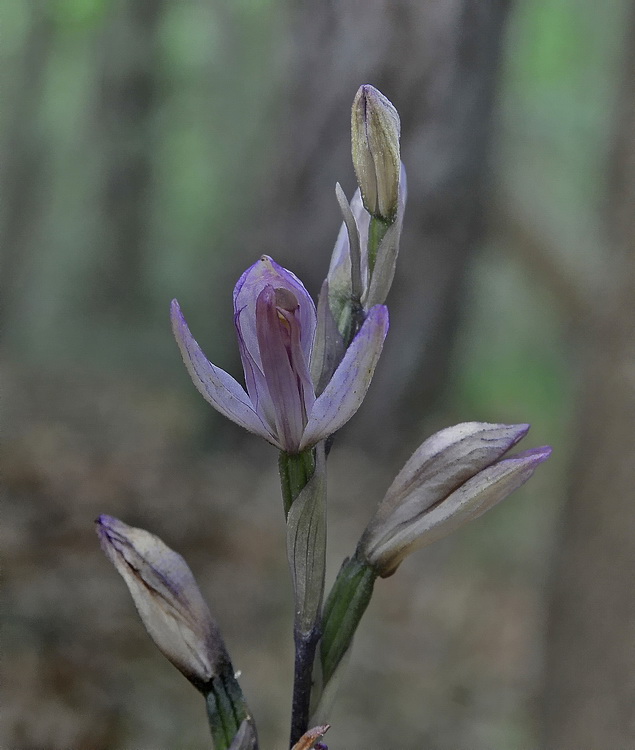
pixel 167 599
pixel 311 739
pixel 454 476
pixel 375 129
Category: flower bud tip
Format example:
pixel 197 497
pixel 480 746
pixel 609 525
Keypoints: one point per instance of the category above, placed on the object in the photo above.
pixel 375 131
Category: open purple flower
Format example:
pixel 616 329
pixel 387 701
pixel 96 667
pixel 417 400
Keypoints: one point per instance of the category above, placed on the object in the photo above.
pixel 276 319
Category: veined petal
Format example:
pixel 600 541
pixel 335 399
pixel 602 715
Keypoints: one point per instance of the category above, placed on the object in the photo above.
pixel 266 272
pixel 441 464
pixel 403 535
pixel 167 599
pixel 256 382
pixel 328 348
pixel 216 386
pixel 345 392
pixel 375 130
pixel 284 367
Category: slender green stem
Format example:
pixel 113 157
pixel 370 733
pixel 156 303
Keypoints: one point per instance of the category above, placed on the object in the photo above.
pixel 295 471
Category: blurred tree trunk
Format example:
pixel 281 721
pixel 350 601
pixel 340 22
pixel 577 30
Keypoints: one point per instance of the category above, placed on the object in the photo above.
pixel 438 63
pixel 126 99
pixel 590 680
pixel 23 163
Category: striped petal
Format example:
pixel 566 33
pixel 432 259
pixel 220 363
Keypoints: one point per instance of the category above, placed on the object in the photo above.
pixel 345 392
pixel 216 386
pixel 266 272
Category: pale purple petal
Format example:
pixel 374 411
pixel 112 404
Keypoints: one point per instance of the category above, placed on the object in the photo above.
pixel 266 272
pixel 256 383
pixel 285 370
pixel 328 348
pixel 216 386
pixel 345 392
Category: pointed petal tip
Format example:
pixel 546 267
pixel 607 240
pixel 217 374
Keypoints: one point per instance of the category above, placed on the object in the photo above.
pixel 368 90
pixel 109 530
pixel 176 314
pixel 536 455
pixel 530 458
pixel 105 523
pixel 521 430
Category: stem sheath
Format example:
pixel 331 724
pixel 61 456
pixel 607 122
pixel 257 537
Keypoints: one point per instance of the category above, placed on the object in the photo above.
pixel 295 471
pixel 343 610
pixel 226 710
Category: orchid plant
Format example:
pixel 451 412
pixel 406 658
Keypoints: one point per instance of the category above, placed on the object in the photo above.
pixel 307 370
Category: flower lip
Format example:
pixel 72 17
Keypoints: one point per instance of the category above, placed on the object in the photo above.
pixel 266 272
pixel 285 369
pixel 285 299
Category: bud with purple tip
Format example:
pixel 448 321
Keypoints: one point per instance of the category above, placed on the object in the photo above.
pixel 453 477
pixel 179 622
pixel 167 599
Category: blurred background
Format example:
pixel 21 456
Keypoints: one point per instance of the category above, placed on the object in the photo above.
pixel 154 149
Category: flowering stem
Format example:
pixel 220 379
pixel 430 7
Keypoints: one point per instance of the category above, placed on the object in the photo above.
pixel 346 603
pixel 226 709
pixel 376 231
pixel 295 471
pixel 305 647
